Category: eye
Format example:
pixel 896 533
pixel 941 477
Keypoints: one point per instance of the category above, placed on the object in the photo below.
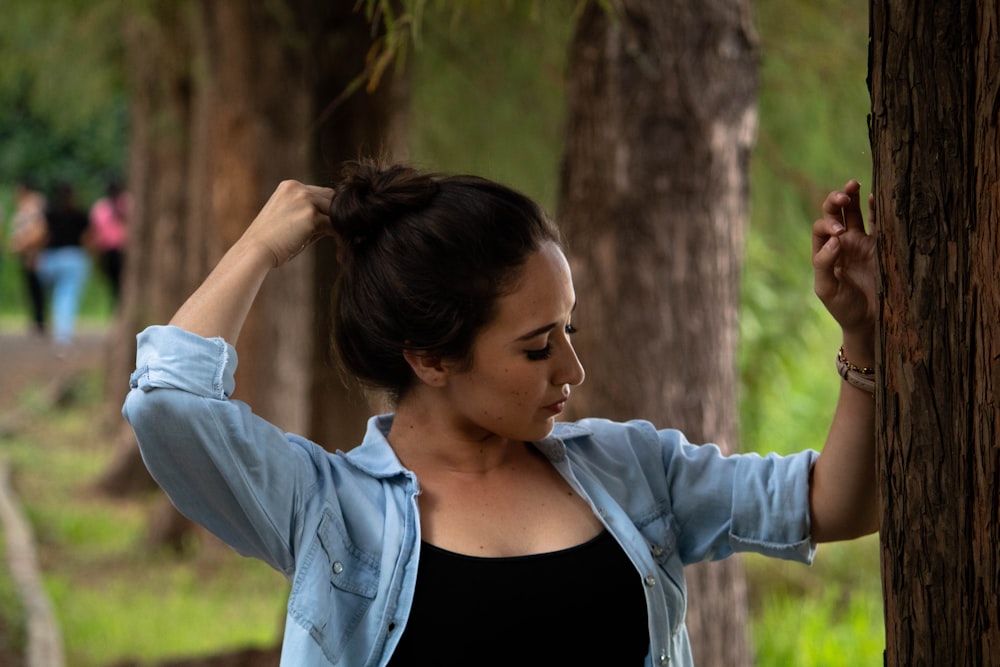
pixel 541 354
pixel 546 352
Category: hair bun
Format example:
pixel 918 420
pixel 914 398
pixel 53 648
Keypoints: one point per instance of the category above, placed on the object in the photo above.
pixel 370 196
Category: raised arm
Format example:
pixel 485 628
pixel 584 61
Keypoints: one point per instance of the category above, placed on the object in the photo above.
pixel 843 490
pixel 294 216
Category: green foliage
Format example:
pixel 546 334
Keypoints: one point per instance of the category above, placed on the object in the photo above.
pixel 812 138
pixel 826 615
pixel 63 107
pixel 499 113
pixel 823 631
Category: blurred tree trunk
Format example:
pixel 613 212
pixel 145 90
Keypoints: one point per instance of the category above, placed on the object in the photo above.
pixel 935 87
pixel 252 81
pixel 367 123
pixel 160 51
pixel 654 202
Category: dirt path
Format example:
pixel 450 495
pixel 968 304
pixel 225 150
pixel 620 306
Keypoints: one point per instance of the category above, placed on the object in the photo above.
pixel 28 360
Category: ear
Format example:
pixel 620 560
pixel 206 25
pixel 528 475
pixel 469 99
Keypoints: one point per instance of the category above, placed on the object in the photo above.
pixel 428 368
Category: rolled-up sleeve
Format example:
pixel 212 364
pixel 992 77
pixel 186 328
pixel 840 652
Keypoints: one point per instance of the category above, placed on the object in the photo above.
pixel 168 357
pixel 742 502
pixel 771 505
pixel 221 466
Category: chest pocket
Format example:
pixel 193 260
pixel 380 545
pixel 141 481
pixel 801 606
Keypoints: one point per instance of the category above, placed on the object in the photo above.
pixel 334 587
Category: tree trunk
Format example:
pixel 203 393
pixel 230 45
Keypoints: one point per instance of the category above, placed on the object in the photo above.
pixel 662 117
pixel 259 113
pixel 935 86
pixel 227 100
pixel 368 123
pixel 159 270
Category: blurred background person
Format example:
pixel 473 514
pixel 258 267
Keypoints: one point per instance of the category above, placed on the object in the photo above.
pixel 108 233
pixel 29 235
pixel 64 264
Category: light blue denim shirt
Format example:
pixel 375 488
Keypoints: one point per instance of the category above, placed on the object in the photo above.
pixel 344 527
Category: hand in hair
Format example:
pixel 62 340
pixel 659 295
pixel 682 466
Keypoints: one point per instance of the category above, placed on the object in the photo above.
pixel 294 217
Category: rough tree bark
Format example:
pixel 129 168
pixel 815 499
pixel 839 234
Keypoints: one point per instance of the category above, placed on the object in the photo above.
pixel 935 87
pixel 654 202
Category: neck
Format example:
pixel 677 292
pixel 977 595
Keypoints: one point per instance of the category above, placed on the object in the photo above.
pixel 423 437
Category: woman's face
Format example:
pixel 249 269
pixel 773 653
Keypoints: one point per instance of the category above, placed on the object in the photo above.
pixel 523 363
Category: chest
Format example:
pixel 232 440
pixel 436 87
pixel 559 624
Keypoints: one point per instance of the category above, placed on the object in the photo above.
pixel 526 512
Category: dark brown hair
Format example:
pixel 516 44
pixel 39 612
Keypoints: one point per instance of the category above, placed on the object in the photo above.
pixel 425 258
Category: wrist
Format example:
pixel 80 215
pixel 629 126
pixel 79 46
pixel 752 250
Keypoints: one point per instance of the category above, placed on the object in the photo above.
pixel 859 348
pixel 253 253
pixel 858 375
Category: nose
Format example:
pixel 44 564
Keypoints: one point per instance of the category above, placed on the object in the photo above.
pixel 570 369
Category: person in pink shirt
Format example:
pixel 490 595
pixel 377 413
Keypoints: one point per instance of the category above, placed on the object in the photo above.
pixel 109 232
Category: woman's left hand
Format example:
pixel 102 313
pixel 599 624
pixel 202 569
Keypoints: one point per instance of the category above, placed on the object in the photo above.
pixel 843 256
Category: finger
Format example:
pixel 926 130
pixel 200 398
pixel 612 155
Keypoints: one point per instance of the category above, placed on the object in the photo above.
pixel 823 229
pixel 851 212
pixel 320 190
pixel 825 281
pixel 835 201
pixel 320 196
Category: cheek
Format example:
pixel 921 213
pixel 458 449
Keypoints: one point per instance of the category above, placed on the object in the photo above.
pixel 519 386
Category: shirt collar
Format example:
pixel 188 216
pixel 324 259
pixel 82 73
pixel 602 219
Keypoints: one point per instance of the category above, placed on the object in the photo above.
pixel 376 457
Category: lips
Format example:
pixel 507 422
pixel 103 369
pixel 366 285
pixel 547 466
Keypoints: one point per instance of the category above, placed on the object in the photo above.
pixel 556 407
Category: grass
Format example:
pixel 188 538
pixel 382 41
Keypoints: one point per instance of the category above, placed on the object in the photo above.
pixel 825 615
pixel 116 598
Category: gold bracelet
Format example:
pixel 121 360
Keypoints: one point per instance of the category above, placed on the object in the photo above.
pixel 861 377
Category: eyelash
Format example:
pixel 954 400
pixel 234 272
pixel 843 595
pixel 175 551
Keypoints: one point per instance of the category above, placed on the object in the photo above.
pixel 546 352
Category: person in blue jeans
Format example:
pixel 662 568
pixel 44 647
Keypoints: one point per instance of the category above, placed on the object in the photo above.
pixel 64 264
pixel 472 526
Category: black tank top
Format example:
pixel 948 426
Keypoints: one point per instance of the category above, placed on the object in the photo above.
pixel 583 605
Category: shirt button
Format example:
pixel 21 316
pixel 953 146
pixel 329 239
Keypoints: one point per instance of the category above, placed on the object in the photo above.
pixel 657 550
pixel 650 581
pixel 664 658
pixel 338 567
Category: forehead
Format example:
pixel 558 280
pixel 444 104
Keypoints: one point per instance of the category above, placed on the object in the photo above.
pixel 542 294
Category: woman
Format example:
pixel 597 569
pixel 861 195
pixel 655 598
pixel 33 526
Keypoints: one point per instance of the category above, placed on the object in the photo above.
pixel 470 527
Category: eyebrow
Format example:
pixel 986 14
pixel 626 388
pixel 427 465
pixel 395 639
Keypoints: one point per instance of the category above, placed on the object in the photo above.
pixel 543 329
pixel 537 332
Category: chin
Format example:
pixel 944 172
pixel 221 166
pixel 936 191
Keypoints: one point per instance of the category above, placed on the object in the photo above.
pixel 542 432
